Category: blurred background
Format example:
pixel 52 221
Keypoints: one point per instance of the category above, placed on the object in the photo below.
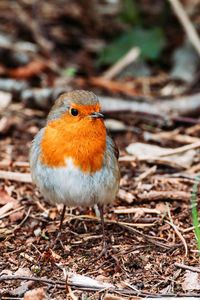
pixel 75 44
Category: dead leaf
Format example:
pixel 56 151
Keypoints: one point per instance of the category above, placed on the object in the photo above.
pixel 23 272
pixel 20 290
pixel 161 207
pixel 18 215
pixel 5 198
pixel 191 281
pixel 52 214
pixel 36 294
pixel 77 279
pixel 113 297
pixel 24 285
pixel 9 203
pixel 152 153
pixel 55 255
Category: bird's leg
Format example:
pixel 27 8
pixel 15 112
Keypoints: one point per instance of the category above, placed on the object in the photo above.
pixel 60 228
pixel 104 246
pixel 62 218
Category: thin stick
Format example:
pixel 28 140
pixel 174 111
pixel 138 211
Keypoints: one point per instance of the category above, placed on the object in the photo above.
pixel 186 23
pixel 11 212
pixel 176 230
pixel 159 157
pixel 122 63
pixel 24 220
pixel 96 219
pixel 44 280
pixel 182 266
pixel 189 229
pixel 62 285
pixel 181 149
pixel 146 173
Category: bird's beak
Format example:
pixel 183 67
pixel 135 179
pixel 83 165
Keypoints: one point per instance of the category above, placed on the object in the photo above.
pixel 96 115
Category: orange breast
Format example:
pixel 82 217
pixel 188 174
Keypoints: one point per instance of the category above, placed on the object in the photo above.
pixel 83 140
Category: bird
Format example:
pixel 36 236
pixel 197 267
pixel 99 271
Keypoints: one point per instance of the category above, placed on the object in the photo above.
pixel 73 160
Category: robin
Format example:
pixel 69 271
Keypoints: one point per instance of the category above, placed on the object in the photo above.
pixel 73 160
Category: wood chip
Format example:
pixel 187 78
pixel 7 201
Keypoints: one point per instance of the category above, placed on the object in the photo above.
pixel 14 176
pixel 126 196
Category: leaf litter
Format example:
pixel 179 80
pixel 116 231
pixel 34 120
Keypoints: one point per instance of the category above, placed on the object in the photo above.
pixel 143 246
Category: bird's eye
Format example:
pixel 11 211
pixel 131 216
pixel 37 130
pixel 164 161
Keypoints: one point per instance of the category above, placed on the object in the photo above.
pixel 74 112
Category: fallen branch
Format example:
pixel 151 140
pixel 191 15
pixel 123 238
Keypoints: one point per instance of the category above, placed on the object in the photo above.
pixel 163 112
pixel 62 285
pixel 164 195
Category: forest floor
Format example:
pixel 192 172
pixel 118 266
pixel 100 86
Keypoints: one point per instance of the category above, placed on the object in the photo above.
pixel 148 229
pixel 53 47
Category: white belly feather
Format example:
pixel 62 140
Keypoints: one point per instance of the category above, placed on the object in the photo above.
pixel 72 187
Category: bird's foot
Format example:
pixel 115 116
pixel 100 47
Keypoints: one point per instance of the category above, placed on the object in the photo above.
pixel 103 252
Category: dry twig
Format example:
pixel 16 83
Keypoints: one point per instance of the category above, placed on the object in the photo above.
pixel 145 174
pixel 193 269
pixel 171 195
pixel 136 210
pixel 126 60
pixel 181 149
pixel 186 23
pixel 176 230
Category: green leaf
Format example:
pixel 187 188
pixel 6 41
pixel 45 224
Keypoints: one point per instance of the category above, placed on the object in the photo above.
pixel 36 270
pixel 71 71
pixel 130 12
pixel 150 41
pixel 45 236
